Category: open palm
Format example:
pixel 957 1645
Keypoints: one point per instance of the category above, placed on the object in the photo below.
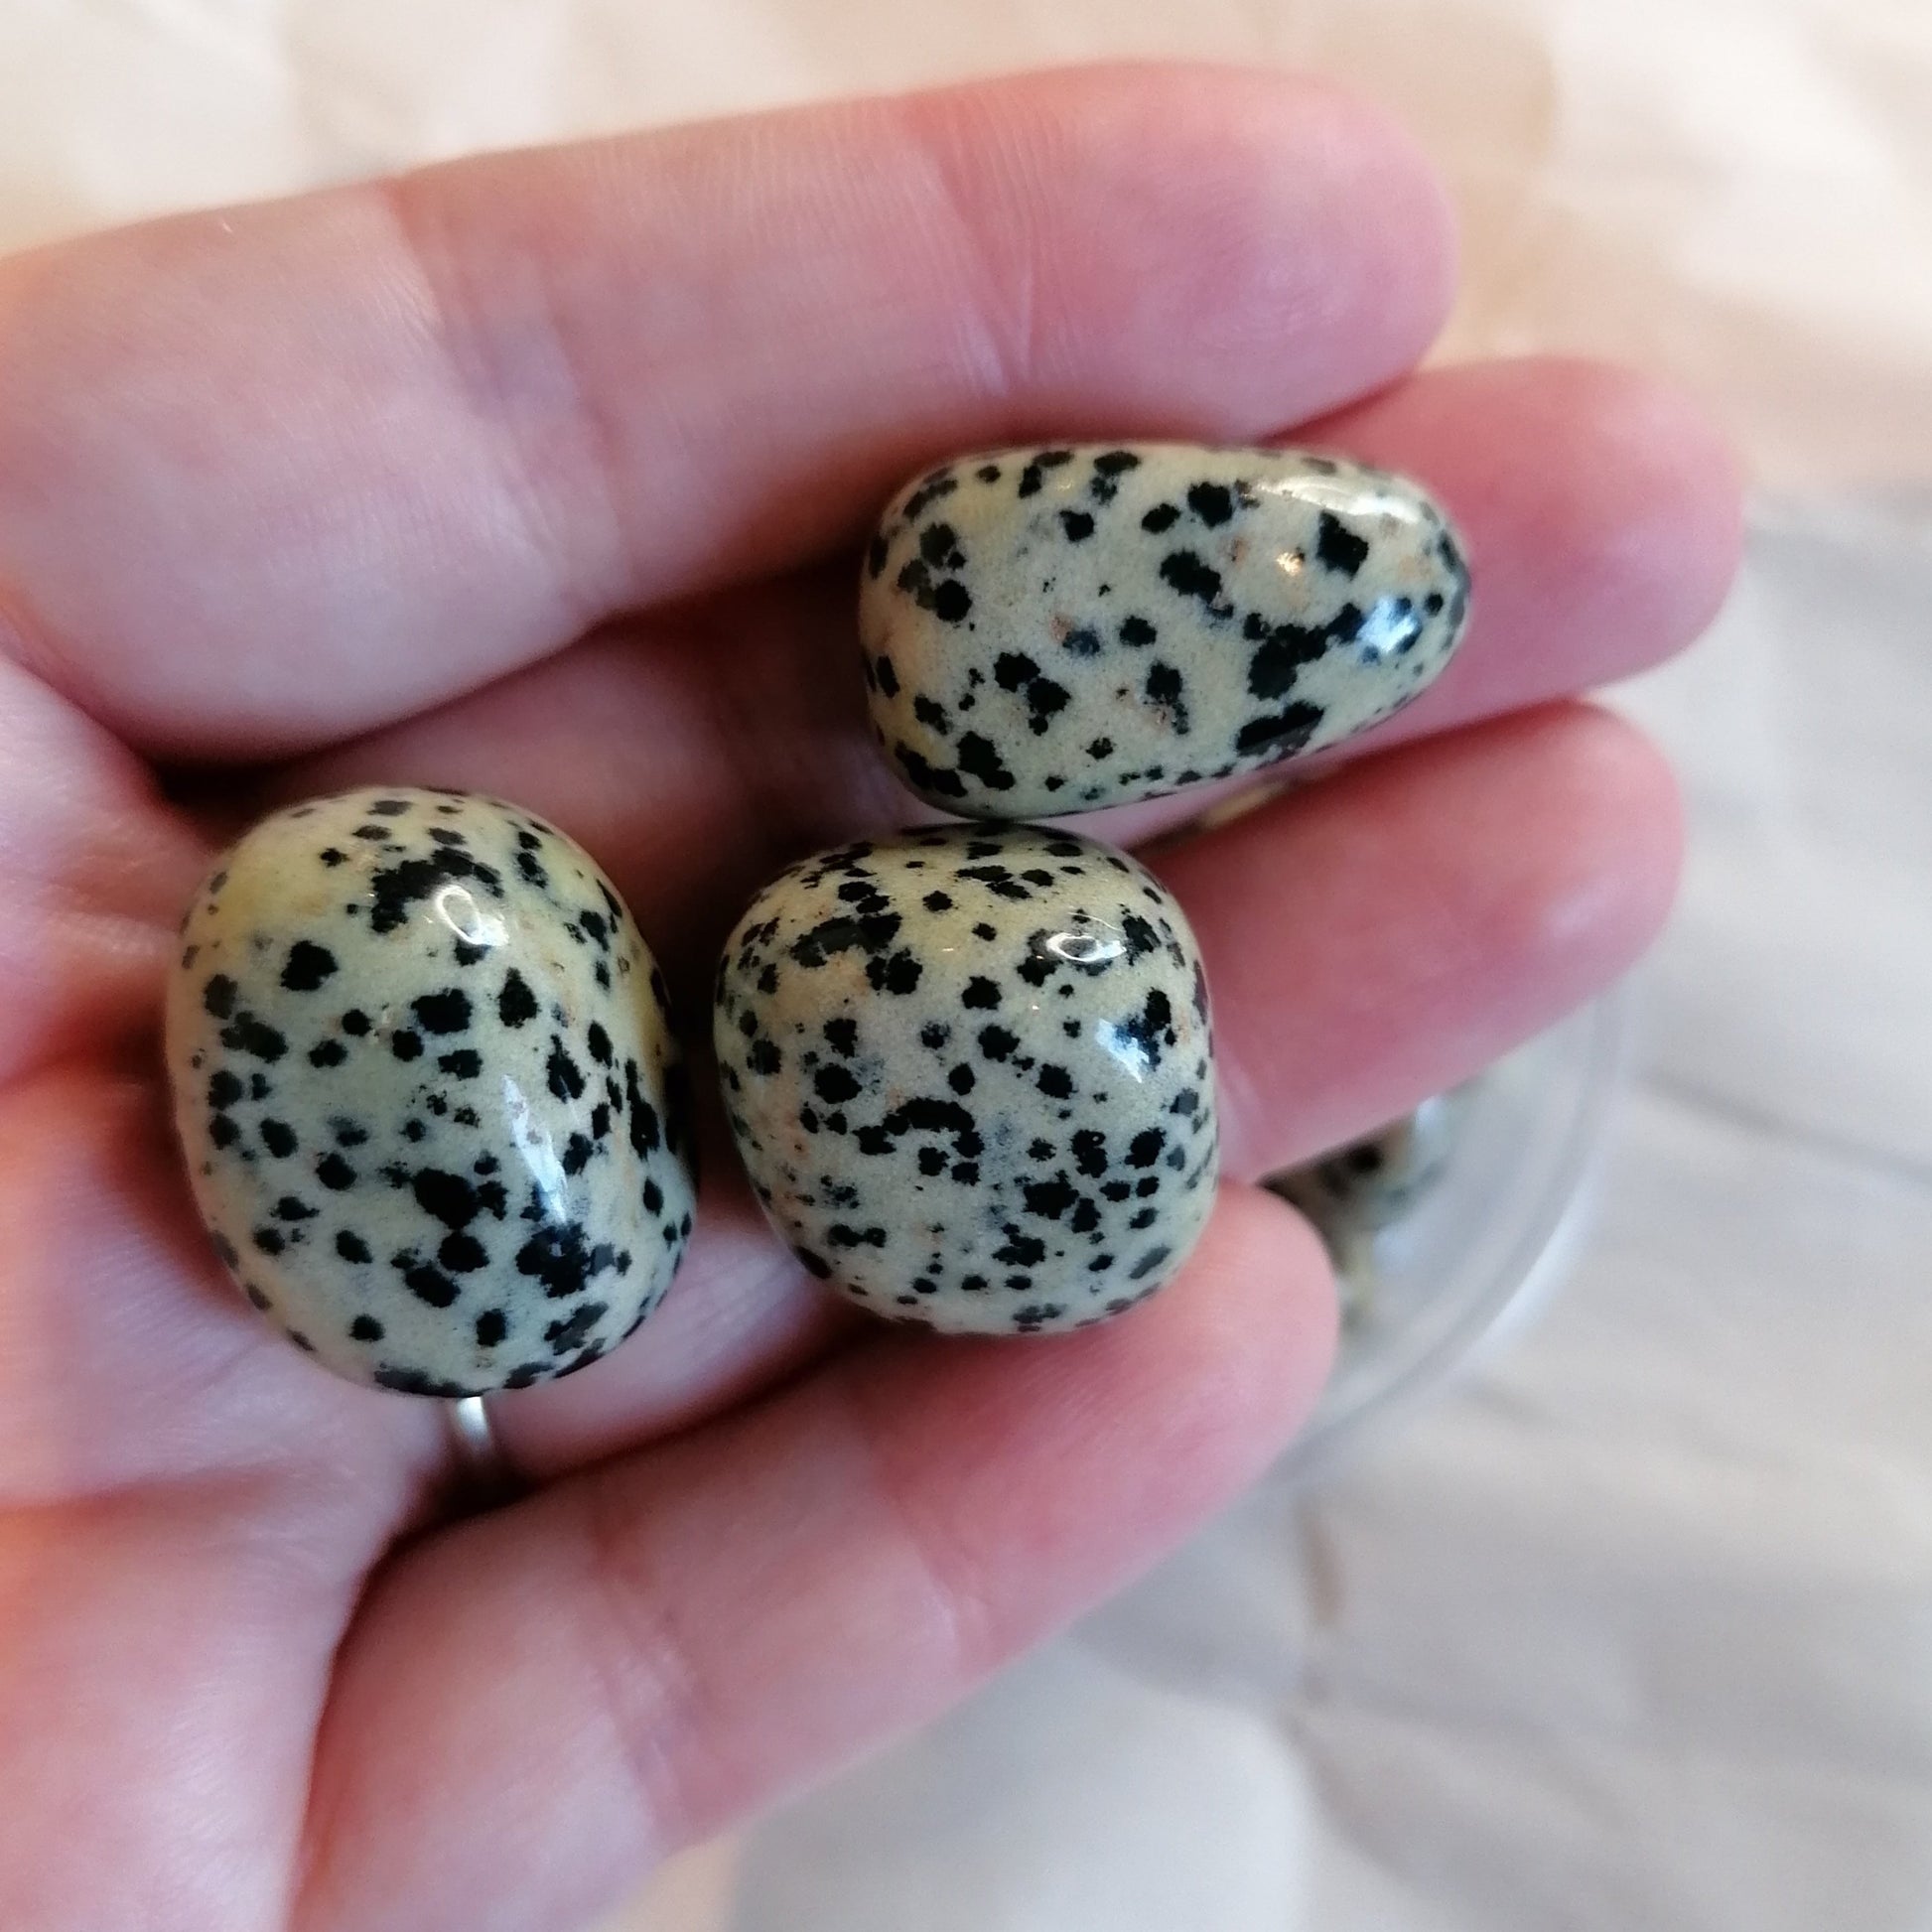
pixel 538 474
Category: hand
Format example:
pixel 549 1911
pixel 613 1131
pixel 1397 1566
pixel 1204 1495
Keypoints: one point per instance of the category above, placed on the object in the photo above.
pixel 522 475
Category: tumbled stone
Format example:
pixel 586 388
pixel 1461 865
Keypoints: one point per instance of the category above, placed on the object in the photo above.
pixel 1052 631
pixel 970 1076
pixel 433 1114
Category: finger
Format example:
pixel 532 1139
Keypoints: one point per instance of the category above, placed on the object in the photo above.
pixel 93 873
pixel 270 476
pixel 1394 929
pixel 1369 941
pixel 1601 513
pixel 1606 516
pixel 644 1653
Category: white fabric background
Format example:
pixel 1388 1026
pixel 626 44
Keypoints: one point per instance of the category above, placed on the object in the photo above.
pixel 1635 1630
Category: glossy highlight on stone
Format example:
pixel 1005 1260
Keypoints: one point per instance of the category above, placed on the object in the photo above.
pixel 1056 630
pixel 435 1118
pixel 969 1075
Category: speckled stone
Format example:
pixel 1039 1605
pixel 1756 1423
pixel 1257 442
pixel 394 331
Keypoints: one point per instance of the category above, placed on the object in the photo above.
pixel 433 1111
pixel 1052 630
pixel 970 1076
pixel 1353 1194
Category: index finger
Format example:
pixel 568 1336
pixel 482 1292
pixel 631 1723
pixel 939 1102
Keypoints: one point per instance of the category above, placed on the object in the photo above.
pixel 274 476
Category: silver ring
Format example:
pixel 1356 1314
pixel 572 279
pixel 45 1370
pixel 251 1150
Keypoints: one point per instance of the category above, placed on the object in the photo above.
pixel 484 1469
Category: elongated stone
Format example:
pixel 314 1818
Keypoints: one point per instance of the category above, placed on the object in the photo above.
pixel 969 1074
pixel 1052 630
pixel 433 1110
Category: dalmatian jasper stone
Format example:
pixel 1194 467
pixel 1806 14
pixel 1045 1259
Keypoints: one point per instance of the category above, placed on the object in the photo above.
pixel 1052 630
pixel 433 1114
pixel 969 1073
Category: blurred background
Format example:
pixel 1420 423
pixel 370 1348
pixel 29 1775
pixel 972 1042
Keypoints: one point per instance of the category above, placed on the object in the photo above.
pixel 1631 1628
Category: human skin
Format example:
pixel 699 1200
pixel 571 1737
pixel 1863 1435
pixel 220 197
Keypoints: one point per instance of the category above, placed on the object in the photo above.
pixel 543 474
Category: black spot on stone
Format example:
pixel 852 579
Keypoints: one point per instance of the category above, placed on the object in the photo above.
pixel 492 1324
pixel 446 1012
pixel 886 677
pixel 465 1063
pixel 327 1052
pixel 1145 1148
pixel 1147 1263
pixel 833 1084
pixel 255 1037
pixel 1186 573
pixel 223 1089
pixel 1049 1199
pixel 1339 547
pixel 1078 524
pixel 577 1153
pixel 306 966
pixel 562 1074
pixel 1212 502
pixel 875 553
pixel 1012 670
pixel 405 1045
pixel 1101 747
pixel 646 1131
pixel 335 1172
pixel 980 992
pixel 1281 733
pixel 279 1138
pixel 1081 642
pixel 354 1022
pixel 1283 651
pixel 219 996
pixel 813 1264
pixel 427 1284
pixel 463 1254
pixel 599 1041
pixel 979 758
pixel 447 1197
pixel 574 1329
pixel 394 890
pixel 1055 1082
pixel 1019 1250
pixel 222 1131
pixel 1162 516
pixel 899 973
pixel 1090 1152
pixel 1164 687
pixel 366 1327
pixel 962 1079
pixel 291 1207
pixel 560 1258
pixel 764 1057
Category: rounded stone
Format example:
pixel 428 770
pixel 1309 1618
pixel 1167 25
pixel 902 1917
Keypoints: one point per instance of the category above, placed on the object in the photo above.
pixel 1052 631
pixel 969 1075
pixel 433 1114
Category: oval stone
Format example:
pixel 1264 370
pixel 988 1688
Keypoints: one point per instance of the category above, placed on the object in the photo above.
pixel 969 1073
pixel 424 1075
pixel 1052 631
